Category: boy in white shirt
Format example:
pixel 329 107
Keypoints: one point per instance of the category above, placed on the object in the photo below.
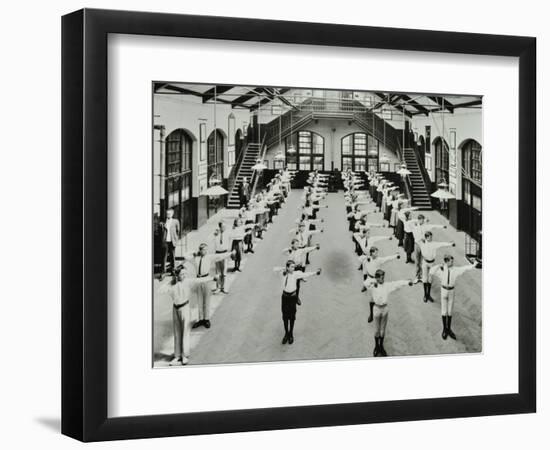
pixel 370 264
pixel 380 293
pixel 428 252
pixel 448 275
pixel 419 229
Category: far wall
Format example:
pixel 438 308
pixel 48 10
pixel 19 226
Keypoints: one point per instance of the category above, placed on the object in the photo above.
pixel 333 142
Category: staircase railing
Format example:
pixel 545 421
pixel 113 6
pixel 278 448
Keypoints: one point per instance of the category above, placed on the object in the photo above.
pixel 255 176
pixel 390 137
pixel 407 184
pixel 280 128
pixel 232 177
pixel 423 171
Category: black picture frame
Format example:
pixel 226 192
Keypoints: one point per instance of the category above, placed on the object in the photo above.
pixel 84 224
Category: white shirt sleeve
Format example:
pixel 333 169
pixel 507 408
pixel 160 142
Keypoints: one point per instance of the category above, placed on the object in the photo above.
pixel 460 270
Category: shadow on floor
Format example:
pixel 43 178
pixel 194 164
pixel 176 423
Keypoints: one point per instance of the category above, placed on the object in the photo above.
pixel 53 423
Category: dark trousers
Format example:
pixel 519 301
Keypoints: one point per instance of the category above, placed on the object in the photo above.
pixel 168 253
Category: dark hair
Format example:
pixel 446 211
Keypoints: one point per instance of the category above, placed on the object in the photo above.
pixel 427 234
pixel 448 258
pixel 379 273
pixel 372 250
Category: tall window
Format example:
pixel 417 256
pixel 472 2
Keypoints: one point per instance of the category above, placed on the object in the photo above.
pixel 179 177
pixel 471 187
pixel 441 150
pixel 359 152
pixel 215 155
pixel 215 167
pixel 309 151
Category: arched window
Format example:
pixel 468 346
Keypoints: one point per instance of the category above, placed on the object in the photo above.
pixel 231 124
pixel 238 142
pixel 441 150
pixel 471 187
pixel 422 146
pixel 215 155
pixel 359 152
pixel 179 166
pixel 305 150
pixel 215 167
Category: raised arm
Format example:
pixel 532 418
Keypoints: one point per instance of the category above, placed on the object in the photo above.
pixel 310 249
pixel 433 226
pixel 376 224
pixel 190 256
pixel 196 281
pixel 462 269
pixel 374 239
pixel 278 269
pixel 443 244
pixel 394 285
pixel 220 256
pixel 316 220
pixel 303 275
pixel 385 259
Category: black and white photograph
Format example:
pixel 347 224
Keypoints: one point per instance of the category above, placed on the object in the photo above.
pixel 301 224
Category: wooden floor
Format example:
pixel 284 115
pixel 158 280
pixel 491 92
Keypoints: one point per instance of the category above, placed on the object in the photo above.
pixel 332 321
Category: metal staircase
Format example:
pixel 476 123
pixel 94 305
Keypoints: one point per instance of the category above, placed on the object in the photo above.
pixel 251 154
pixel 419 192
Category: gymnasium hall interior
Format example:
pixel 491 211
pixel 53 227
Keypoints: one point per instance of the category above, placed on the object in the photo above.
pixel 207 139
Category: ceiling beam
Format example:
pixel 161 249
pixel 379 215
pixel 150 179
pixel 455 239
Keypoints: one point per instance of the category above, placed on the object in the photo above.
pixel 181 90
pixel 216 90
pixel 158 86
pixel 243 99
pixel 415 105
pixel 260 103
pixel 390 103
pixel 443 102
pixel 467 104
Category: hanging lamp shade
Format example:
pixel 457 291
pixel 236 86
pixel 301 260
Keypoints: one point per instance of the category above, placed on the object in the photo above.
pixel 215 190
pixel 404 171
pixel 259 166
pixel 442 194
pixel 279 157
pixel 384 158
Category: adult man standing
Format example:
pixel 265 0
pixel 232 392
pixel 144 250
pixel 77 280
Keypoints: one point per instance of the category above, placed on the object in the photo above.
pixel 180 290
pixel 171 235
pixel 244 192
pixel 203 261
pixel 221 245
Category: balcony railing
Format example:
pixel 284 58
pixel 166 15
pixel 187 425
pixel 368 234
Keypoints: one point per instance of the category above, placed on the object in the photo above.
pixel 280 128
